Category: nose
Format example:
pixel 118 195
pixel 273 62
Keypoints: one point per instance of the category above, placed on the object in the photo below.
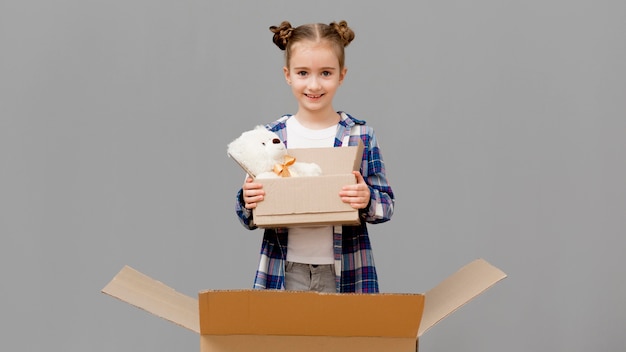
pixel 314 83
pixel 275 140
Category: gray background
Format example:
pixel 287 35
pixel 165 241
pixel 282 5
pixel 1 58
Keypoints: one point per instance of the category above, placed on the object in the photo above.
pixel 502 124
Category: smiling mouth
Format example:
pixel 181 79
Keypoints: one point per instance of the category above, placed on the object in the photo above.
pixel 313 96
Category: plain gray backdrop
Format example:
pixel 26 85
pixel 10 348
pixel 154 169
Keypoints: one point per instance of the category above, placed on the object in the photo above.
pixel 502 124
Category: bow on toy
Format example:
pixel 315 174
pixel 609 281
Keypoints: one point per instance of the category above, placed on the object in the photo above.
pixel 282 170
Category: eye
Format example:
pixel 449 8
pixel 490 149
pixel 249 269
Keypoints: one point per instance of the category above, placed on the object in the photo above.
pixel 263 143
pixel 275 140
pixel 301 73
pixel 326 73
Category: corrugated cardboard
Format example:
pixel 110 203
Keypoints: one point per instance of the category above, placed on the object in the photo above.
pixel 292 201
pixel 286 321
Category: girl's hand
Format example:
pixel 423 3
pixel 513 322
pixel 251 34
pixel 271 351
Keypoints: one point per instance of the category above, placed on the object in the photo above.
pixel 358 195
pixel 252 193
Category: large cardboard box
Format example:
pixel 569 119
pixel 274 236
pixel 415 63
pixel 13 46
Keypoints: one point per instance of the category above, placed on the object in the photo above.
pixel 287 321
pixel 292 201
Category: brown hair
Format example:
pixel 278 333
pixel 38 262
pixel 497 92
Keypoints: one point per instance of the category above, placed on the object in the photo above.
pixel 337 34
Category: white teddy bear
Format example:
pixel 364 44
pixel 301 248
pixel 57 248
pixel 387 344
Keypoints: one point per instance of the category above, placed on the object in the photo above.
pixel 263 155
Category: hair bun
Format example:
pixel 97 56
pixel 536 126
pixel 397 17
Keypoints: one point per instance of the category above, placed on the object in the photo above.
pixel 346 34
pixel 282 33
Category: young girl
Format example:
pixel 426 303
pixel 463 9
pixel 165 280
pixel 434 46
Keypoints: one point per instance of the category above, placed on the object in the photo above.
pixel 321 258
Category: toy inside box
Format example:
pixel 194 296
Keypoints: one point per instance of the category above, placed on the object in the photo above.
pixel 287 321
pixel 311 200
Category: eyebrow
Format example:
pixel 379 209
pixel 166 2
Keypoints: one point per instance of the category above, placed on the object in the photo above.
pixel 322 68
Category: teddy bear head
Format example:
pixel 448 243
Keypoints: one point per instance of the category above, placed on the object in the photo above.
pixel 257 150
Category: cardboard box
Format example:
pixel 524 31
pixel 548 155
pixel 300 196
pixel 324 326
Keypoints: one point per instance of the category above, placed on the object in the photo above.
pixel 292 201
pixel 248 320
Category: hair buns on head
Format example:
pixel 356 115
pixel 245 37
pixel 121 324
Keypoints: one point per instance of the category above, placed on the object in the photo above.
pixel 346 34
pixel 282 34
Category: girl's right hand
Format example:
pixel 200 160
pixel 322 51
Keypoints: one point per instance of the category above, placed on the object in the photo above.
pixel 252 193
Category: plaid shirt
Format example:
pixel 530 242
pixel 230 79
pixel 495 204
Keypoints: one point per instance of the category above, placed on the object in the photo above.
pixel 354 262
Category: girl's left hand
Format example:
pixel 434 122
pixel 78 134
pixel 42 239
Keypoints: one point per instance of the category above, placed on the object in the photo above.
pixel 357 195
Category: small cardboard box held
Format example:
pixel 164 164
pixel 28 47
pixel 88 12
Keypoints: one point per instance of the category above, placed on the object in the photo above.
pixel 287 321
pixel 312 200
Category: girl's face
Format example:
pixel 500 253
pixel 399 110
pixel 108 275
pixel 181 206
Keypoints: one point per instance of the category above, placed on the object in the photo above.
pixel 314 75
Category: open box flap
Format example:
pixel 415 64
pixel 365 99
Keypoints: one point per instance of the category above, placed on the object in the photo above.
pixel 457 290
pixel 143 292
pixel 331 160
pixel 253 312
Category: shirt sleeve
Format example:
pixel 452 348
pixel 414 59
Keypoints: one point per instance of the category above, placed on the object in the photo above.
pixel 381 195
pixel 244 215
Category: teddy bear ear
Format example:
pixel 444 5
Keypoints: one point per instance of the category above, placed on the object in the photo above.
pixel 238 151
pixel 260 127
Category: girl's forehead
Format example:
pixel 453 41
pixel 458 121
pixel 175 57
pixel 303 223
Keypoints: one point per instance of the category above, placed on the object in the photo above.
pixel 309 49
pixel 312 44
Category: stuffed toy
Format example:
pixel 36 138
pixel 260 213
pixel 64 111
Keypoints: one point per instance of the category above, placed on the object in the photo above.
pixel 263 155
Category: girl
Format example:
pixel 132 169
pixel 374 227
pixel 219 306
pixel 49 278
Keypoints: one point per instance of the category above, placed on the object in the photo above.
pixel 321 258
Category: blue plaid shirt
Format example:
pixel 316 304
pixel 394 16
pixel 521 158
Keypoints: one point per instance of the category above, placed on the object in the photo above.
pixel 354 262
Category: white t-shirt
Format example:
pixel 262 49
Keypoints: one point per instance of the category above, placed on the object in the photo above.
pixel 310 244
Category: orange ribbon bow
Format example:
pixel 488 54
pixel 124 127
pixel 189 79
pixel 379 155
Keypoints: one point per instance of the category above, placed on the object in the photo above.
pixel 282 170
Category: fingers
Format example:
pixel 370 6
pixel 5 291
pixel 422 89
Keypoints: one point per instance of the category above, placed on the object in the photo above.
pixel 355 205
pixel 359 177
pixel 252 193
pixel 357 195
pixel 356 201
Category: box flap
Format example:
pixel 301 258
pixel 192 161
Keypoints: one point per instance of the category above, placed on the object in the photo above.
pixel 458 289
pixel 254 312
pixel 332 161
pixel 143 292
